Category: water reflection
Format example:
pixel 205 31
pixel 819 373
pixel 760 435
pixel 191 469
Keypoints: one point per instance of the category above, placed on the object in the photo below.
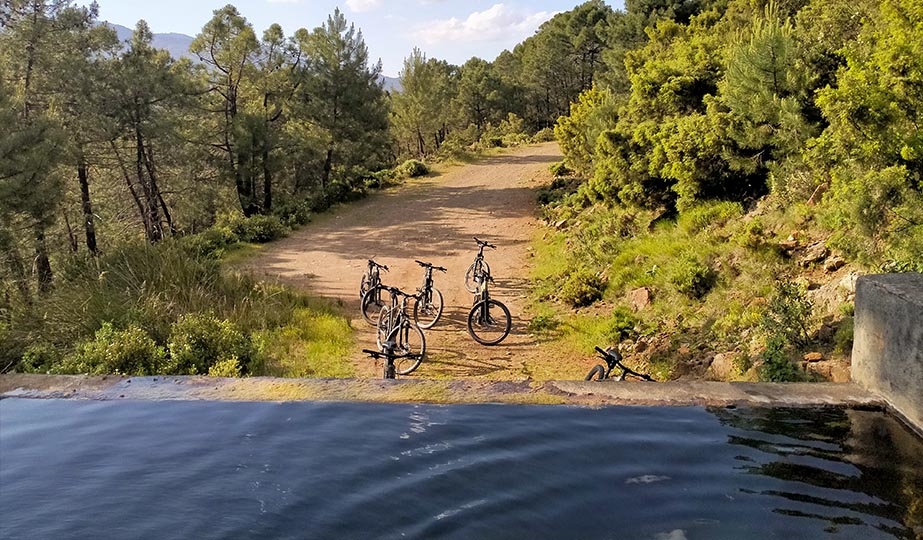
pixel 852 467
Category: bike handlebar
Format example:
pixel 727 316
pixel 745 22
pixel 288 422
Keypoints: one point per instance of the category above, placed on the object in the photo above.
pixel 430 265
pixel 383 267
pixel 378 354
pixel 485 244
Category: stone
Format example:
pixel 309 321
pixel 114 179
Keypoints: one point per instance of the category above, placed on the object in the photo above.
pixel 833 264
pixel 814 254
pixel 813 357
pixel 722 367
pixel 560 224
pixel 684 350
pixel 828 298
pixel 640 298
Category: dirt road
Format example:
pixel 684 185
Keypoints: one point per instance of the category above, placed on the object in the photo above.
pixel 434 220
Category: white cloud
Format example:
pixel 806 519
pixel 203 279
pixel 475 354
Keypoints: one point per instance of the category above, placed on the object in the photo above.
pixel 497 23
pixel 358 6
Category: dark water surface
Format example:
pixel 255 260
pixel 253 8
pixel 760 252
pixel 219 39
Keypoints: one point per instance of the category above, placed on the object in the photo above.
pixel 203 470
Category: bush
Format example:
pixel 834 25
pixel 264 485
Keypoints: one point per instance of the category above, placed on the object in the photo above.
pixel 293 212
pixel 621 324
pixel 582 288
pixel 708 215
pixel 258 229
pixel 199 341
pixel 692 278
pixel 210 243
pixel 777 367
pixel 125 352
pixel 412 168
pixel 788 314
pixel 225 368
pixel 559 169
pixel 40 358
pixel 544 135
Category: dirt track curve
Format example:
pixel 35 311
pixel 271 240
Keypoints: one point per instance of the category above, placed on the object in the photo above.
pixel 434 220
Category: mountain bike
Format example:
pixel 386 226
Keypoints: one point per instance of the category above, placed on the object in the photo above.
pixel 389 355
pixel 613 360
pixel 371 283
pixel 394 325
pixel 428 308
pixel 489 321
pixel 478 268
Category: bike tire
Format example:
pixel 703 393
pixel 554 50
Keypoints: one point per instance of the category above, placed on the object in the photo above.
pixel 371 304
pixel 427 314
pixel 410 340
pixel 597 373
pixel 495 328
pixel 383 326
pixel 363 286
pixel 477 267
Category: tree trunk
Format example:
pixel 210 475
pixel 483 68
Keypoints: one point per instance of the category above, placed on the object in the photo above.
pixel 43 273
pixel 131 187
pixel 328 165
pixel 152 174
pixel 267 181
pixel 9 252
pixel 88 220
pixel 71 237
pixel 154 228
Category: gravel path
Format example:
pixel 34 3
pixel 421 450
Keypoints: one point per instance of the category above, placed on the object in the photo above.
pixel 434 220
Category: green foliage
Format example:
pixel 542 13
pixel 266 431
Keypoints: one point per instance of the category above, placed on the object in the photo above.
pixel 125 352
pixel 692 278
pixel 258 229
pixel 622 324
pixel 777 366
pixel 212 242
pixel 225 368
pixel 198 341
pixel 559 169
pixel 708 216
pixel 788 314
pixel 40 358
pixel 582 287
pixel 844 335
pixel 412 168
pixel 742 361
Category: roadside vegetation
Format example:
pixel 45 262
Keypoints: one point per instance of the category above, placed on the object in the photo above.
pixel 715 208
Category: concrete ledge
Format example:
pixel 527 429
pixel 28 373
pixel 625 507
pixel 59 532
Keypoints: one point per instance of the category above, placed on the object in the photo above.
pixel 582 393
pixel 887 357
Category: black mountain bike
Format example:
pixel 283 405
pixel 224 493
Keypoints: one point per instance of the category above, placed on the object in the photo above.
pixel 371 283
pixel 478 268
pixel 613 360
pixel 428 308
pixel 390 356
pixel 395 326
pixel 489 321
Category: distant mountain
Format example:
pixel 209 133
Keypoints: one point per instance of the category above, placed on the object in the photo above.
pixel 176 44
pixel 392 84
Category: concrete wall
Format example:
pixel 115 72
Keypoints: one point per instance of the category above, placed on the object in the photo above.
pixel 887 355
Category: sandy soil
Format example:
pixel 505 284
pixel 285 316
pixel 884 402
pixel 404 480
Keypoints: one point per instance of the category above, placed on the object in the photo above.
pixel 433 220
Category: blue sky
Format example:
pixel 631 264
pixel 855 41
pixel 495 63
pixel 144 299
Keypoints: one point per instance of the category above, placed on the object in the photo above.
pixel 450 30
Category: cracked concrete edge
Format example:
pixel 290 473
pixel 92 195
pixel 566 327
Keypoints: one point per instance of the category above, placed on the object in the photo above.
pixel 456 391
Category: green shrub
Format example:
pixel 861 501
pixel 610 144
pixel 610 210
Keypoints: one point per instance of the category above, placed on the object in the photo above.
pixel 293 212
pixel 845 333
pixel 412 168
pixel 559 169
pixel 125 352
pixel 788 314
pixel 543 323
pixel 210 243
pixel 198 341
pixel 777 366
pixel 258 228
pixel 692 278
pixel 708 215
pixel 40 358
pixel 582 288
pixel 742 361
pixel 543 135
pixel 621 324
pixel 225 368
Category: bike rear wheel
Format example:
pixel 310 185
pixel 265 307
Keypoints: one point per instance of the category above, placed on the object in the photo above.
pixel 383 326
pixel 371 304
pixel 410 340
pixel 489 322
pixel 363 286
pixel 427 313
pixel 596 374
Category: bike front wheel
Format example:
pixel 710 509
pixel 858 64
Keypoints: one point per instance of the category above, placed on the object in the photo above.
pixel 383 326
pixel 410 340
pixel 363 286
pixel 474 274
pixel 489 322
pixel 427 313
pixel 372 304
pixel 596 374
